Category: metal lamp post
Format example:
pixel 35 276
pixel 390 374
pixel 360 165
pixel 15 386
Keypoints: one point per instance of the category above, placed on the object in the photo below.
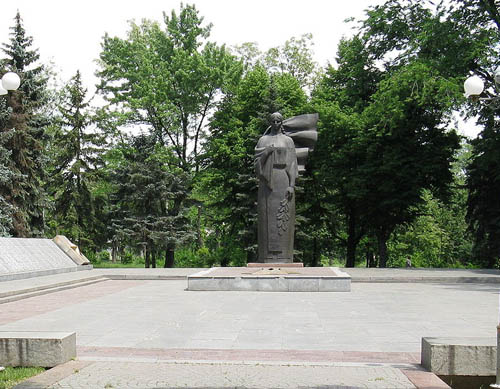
pixel 9 81
pixel 473 87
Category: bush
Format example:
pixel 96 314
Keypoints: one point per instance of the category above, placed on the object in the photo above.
pixel 127 257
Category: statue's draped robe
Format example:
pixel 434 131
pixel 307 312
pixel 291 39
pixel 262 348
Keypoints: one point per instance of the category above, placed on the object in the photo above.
pixel 278 159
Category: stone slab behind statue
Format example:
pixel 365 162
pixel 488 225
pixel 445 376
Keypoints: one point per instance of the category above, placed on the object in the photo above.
pixel 32 257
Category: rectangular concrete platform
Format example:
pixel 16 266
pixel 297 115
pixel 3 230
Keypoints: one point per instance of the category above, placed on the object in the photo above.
pixel 36 348
pixel 460 356
pixel 265 279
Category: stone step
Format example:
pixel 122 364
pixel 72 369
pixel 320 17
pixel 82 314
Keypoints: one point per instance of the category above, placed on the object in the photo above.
pixel 21 294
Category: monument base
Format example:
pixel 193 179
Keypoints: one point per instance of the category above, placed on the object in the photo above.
pixel 271 279
pixel 276 264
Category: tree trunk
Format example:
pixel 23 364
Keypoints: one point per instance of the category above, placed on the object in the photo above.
pixel 225 261
pixel 199 238
pixel 382 238
pixel 147 260
pixel 370 259
pixel 153 259
pixel 113 251
pixel 352 241
pixel 315 253
pixel 169 257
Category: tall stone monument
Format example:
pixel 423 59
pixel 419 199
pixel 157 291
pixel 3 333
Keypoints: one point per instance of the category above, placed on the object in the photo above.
pixel 280 155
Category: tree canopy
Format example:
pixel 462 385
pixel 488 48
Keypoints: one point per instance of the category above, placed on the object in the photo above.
pixel 160 167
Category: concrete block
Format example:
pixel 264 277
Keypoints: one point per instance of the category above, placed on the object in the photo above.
pixel 71 250
pixel 244 284
pixel 283 284
pixel 334 285
pixel 32 348
pixel 460 356
pixel 200 283
pixel 303 284
pixel 268 284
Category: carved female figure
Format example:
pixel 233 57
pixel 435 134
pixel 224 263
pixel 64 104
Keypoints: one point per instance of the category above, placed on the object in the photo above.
pixel 279 156
pixel 277 169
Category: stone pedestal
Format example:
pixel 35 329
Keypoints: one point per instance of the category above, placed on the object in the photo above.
pixel 270 279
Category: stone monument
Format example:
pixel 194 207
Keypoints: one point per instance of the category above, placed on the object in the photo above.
pixel 33 257
pixel 280 155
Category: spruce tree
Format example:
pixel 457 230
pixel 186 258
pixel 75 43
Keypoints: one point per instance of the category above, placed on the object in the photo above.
pixel 25 124
pixel 76 155
pixel 6 176
pixel 149 201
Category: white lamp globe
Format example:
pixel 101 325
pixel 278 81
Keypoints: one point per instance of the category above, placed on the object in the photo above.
pixel 473 86
pixel 2 90
pixel 11 81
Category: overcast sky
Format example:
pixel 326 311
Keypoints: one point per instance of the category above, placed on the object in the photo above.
pixel 69 33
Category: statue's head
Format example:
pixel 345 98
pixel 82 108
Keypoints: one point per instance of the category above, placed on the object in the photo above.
pixel 276 120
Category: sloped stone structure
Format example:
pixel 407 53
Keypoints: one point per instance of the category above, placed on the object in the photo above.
pixel 31 257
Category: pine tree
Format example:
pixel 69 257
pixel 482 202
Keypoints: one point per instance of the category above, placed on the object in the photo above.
pixel 6 176
pixel 76 155
pixel 25 124
pixel 150 200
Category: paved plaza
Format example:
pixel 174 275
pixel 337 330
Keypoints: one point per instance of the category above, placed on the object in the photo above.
pixel 147 333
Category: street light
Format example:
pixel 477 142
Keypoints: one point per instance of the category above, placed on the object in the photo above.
pixel 10 81
pixel 474 86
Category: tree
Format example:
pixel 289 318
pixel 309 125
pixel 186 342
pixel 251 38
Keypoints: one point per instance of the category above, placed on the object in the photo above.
pixel 383 139
pixel 229 184
pixel 409 147
pixel 341 97
pixel 149 200
pixel 169 80
pixel 76 156
pixel 25 124
pixel 6 176
pixel 455 38
pixel 295 57
pixel 483 182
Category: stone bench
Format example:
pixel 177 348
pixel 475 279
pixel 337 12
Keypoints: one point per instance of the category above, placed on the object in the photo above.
pixel 460 356
pixel 33 348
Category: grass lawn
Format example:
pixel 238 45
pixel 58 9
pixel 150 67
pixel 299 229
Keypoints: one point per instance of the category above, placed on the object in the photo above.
pixel 14 375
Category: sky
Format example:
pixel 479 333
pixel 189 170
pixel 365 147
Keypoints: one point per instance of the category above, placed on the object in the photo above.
pixel 69 33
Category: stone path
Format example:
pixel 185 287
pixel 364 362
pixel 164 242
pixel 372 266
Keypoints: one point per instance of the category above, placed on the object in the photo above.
pixel 390 317
pixel 223 375
pixel 155 334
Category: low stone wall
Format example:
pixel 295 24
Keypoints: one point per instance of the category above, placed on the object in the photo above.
pixel 44 349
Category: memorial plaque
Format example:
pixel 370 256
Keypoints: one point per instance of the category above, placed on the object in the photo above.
pixel 19 255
